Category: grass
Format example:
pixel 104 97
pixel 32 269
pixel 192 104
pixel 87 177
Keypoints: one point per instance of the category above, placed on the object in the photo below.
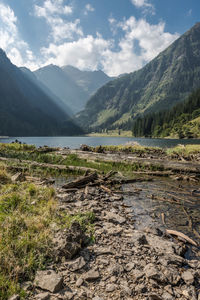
pixel 114 133
pixel 184 150
pixel 27 213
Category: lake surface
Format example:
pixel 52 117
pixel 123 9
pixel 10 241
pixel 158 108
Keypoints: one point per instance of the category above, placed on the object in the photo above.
pixel 76 142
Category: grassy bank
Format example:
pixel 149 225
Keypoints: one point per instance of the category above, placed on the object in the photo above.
pixel 112 133
pixel 28 214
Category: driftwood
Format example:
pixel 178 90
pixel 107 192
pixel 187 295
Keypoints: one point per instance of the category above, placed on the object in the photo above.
pixel 81 182
pixel 163 218
pixel 107 190
pixel 181 235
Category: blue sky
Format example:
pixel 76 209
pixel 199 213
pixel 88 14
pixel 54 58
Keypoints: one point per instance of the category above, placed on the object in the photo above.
pixel 117 36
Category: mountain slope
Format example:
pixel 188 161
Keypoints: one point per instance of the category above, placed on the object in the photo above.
pixel 63 106
pixel 25 109
pixel 64 87
pixel 89 81
pixel 166 80
pixel 182 121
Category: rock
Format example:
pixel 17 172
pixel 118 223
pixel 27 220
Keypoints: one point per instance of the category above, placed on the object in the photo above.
pixel 91 275
pixel 76 264
pixel 103 251
pixel 68 244
pixel 152 272
pixel 136 274
pixel 115 218
pixel 172 275
pixel 97 298
pixel 48 280
pixel 68 296
pixel 129 266
pixel 154 297
pixel 111 287
pixel 167 296
pixel 79 282
pixel 42 296
pixel 18 177
pixel 14 297
pixel 164 246
pixel 188 277
pixel 115 270
pixel 112 230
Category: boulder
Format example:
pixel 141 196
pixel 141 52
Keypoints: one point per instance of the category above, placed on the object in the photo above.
pixel 48 280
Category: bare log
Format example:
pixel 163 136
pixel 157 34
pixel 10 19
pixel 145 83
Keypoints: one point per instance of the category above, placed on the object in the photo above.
pixel 81 181
pixel 181 235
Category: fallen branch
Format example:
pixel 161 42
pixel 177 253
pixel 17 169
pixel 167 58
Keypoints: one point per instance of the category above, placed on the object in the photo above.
pixel 81 182
pixel 181 235
pixel 107 190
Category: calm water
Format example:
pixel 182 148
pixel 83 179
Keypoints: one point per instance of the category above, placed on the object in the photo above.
pixel 75 142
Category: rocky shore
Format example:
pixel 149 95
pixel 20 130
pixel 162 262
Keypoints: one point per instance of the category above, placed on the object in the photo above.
pixel 122 262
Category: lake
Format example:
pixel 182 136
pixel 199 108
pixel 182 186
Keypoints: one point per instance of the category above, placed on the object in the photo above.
pixel 75 142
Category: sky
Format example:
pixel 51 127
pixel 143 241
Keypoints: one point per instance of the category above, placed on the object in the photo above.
pixel 115 36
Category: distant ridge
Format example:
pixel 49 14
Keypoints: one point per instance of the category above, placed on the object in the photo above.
pixel 72 86
pixel 163 82
pixel 25 109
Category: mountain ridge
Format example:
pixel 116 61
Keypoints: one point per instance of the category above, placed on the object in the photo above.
pixel 25 109
pixel 73 86
pixel 163 82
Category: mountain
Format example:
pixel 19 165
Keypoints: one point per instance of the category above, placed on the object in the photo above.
pixel 63 106
pixel 89 81
pixel 72 86
pixel 25 109
pixel 182 121
pixel 163 82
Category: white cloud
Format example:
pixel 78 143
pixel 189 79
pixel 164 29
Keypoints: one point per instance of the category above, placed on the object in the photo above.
pixel 141 42
pixel 55 12
pixel 51 7
pixel 10 41
pixel 145 5
pixel 85 53
pixel 88 8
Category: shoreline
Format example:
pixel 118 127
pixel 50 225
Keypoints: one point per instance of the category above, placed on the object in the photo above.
pixel 123 262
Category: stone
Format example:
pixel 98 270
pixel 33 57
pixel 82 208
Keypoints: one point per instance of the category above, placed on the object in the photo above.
pixel 130 266
pixel 91 275
pixel 97 298
pixel 68 296
pixel 68 244
pixel 42 296
pixel 136 274
pixel 154 297
pixel 18 177
pixel 14 297
pixel 167 296
pixel 188 277
pixel 111 287
pixel 103 251
pixel 76 264
pixel 48 280
pixel 115 218
pixel 151 271
pixel 79 282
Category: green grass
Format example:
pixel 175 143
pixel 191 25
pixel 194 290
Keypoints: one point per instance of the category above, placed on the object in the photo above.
pixel 184 150
pixel 26 215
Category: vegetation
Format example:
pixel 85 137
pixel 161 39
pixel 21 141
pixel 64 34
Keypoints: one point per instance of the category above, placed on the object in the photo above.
pixel 182 121
pixel 165 81
pixel 27 215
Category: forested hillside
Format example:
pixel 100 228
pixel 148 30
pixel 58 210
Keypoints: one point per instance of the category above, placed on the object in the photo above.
pixel 165 81
pixel 182 121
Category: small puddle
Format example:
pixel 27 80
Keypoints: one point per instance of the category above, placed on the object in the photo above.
pixel 166 204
